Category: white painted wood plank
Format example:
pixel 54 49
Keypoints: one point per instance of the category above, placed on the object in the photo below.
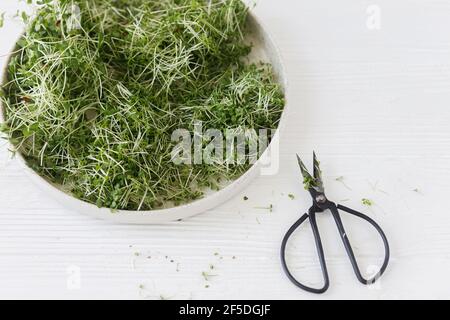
pixel 374 104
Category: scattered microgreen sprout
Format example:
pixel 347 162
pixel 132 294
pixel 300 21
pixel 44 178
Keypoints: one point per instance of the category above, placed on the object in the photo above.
pixel 375 187
pixel 25 17
pixel 291 196
pixel 207 276
pixel 245 198
pixel 341 179
pixel 2 19
pixel 367 202
pixel 309 182
pixel 270 208
pixel 92 109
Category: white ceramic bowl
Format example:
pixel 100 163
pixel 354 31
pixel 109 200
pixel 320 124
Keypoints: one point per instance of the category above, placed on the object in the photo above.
pixel 264 49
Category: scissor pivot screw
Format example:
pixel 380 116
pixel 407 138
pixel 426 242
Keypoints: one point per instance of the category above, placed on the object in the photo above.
pixel 321 198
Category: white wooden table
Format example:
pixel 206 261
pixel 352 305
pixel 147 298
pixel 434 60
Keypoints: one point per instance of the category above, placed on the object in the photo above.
pixel 371 96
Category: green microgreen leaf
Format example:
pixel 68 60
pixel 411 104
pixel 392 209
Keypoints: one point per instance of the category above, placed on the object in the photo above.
pixel 2 19
pixel 309 182
pixel 92 108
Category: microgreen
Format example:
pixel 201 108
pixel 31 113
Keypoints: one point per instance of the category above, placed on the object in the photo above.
pixel 92 109
pixel 367 202
pixel 2 19
pixel 309 182
pixel 207 276
pixel 341 179
pixel 270 208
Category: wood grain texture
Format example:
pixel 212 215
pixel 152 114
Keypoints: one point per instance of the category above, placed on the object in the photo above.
pixel 373 104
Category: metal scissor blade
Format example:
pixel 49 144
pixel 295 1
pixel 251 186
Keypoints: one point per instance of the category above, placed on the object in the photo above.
pixel 308 180
pixel 318 174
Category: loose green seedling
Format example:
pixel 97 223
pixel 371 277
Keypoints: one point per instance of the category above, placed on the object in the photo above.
pixel 270 208
pixel 341 179
pixel 2 19
pixel 308 183
pixel 207 276
pixel 92 109
pixel 367 202
pixel 375 187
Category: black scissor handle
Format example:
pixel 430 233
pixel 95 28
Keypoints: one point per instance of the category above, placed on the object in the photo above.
pixel 334 210
pixel 312 218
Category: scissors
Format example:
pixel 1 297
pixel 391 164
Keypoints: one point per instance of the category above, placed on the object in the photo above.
pixel 321 204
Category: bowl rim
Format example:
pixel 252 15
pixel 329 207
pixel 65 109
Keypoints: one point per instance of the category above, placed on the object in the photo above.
pixel 165 215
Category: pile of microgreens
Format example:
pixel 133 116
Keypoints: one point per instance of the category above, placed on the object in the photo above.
pixel 92 108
